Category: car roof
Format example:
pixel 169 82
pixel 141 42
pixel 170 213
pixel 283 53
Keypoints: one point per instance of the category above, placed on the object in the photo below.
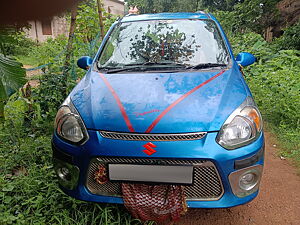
pixel 162 16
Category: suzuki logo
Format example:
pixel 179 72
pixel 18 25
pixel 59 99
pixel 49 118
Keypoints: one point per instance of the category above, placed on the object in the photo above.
pixel 149 148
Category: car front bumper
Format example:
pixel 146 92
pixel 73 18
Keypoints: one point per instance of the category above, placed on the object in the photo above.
pixel 226 162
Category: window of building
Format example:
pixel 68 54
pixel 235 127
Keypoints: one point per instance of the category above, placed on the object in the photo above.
pixel 46 27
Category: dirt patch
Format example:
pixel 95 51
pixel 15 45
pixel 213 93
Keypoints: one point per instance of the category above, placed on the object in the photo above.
pixel 30 74
pixel 278 202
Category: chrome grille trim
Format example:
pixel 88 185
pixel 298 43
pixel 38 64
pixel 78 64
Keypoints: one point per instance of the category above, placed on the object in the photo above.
pixel 152 137
pixel 207 184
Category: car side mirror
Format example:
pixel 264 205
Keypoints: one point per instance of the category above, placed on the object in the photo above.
pixel 245 59
pixel 84 62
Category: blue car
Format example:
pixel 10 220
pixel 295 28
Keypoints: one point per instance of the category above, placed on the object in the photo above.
pixel 164 101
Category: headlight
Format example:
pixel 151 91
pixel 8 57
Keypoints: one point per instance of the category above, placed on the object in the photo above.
pixel 242 127
pixel 69 125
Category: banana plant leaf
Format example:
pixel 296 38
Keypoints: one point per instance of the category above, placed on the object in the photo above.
pixel 12 77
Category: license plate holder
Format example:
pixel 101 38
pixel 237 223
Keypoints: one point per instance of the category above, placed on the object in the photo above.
pixel 166 174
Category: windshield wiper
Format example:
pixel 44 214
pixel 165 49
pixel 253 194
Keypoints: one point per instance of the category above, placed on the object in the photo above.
pixel 140 67
pixel 206 65
pixel 144 66
pixel 120 69
pixel 172 64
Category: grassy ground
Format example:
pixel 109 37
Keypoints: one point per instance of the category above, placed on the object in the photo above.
pixel 288 141
pixel 29 193
pixel 28 60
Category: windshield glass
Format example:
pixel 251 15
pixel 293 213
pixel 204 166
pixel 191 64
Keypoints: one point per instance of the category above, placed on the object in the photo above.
pixel 164 42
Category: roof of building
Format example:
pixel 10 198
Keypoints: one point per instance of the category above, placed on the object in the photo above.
pixel 117 1
pixel 161 16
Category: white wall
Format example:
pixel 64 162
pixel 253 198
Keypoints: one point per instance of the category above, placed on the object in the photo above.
pixel 116 6
pixel 58 26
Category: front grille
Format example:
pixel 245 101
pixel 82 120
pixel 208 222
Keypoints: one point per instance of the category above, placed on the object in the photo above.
pixel 207 184
pixel 152 137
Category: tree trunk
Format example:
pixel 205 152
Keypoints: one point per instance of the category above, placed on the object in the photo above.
pixel 99 4
pixel 197 5
pixel 69 48
pixel 36 32
pixel 268 34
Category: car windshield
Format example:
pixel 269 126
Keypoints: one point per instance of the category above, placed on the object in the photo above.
pixel 165 43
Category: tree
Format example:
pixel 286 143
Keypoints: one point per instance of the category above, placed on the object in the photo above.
pixel 87 21
pixel 240 15
pixel 69 45
pixel 157 6
pixel 227 5
pixel 99 5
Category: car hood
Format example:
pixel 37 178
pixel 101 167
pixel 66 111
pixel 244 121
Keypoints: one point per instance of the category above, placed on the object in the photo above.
pixel 114 102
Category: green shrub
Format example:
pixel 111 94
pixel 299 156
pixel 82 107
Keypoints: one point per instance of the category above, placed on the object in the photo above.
pixel 47 51
pixel 253 43
pixel 13 41
pixel 15 113
pixel 227 20
pixel 274 81
pixel 29 193
pixel 276 86
pixel 290 38
pixel 46 99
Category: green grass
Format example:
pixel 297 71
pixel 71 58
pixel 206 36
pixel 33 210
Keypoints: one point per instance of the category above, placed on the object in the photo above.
pixel 29 193
pixel 28 60
pixel 289 145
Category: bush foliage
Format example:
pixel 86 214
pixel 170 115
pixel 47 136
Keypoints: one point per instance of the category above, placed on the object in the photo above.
pixel 274 81
pixel 290 38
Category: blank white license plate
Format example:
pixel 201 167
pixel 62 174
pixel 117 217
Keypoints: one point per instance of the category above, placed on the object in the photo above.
pixel 151 173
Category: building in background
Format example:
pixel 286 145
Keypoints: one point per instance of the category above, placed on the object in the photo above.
pixel 115 7
pixel 51 28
